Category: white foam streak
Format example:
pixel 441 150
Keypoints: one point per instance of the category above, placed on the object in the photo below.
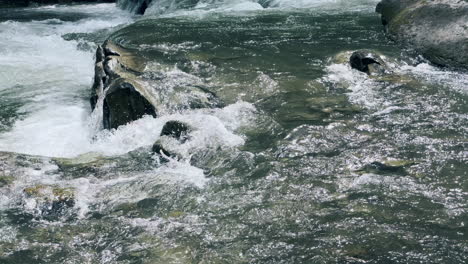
pixel 455 80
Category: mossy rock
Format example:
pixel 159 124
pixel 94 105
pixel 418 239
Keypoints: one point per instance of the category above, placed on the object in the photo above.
pixel 85 163
pixel 46 191
pixel 400 163
pixel 175 214
pixel 6 180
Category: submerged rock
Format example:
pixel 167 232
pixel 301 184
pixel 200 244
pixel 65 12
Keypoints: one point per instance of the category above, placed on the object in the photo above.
pixel 387 167
pixel 6 180
pixel 51 200
pixel 437 29
pixel 160 150
pixel 366 62
pixel 175 129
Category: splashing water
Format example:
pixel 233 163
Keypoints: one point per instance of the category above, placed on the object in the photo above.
pixel 310 161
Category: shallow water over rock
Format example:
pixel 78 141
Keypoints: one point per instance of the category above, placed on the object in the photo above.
pixel 307 161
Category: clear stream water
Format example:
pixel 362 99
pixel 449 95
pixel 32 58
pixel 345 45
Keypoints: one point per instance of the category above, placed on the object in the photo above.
pixel 308 162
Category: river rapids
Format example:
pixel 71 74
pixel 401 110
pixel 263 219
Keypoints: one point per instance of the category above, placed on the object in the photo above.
pixel 307 161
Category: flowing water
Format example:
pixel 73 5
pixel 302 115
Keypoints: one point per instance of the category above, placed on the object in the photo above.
pixel 309 161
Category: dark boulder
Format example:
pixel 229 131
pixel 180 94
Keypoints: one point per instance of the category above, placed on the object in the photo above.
pixel 160 150
pixel 175 129
pixel 140 6
pixel 124 99
pixel 370 62
pixel 126 91
pixel 361 61
pixel 436 29
pixel 135 6
pixel 123 104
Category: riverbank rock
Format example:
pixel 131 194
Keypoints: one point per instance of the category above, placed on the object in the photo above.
pixel 437 29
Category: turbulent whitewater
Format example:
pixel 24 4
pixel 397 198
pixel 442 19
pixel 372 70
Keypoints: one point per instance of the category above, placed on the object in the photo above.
pixel 306 161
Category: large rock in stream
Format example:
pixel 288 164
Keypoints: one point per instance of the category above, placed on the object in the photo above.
pixel 126 91
pixel 437 29
pixel 115 80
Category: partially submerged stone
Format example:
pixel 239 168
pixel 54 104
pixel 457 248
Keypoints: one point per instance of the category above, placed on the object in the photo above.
pixel 175 129
pixel 84 163
pixel 386 167
pixel 160 150
pixel 368 62
pixel 51 200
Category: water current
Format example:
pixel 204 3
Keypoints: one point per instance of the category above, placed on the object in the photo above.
pixel 309 161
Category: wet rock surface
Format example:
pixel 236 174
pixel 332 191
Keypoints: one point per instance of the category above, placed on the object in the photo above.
pixel 126 91
pixel 436 29
pixel 135 6
pixel 310 161
pixel 175 129
pixel 115 82
pixel 367 62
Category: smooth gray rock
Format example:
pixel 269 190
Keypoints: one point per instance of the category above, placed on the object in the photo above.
pixel 437 29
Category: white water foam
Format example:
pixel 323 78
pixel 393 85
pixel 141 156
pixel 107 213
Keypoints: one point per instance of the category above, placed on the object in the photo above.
pixel 204 7
pixel 51 77
pixel 366 91
pixel 455 80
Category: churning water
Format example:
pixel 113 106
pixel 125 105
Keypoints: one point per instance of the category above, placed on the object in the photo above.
pixel 308 162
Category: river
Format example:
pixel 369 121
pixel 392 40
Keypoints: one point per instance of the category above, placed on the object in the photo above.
pixel 307 161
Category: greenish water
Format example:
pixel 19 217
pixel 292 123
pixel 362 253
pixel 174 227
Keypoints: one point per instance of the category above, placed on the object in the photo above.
pixel 309 162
